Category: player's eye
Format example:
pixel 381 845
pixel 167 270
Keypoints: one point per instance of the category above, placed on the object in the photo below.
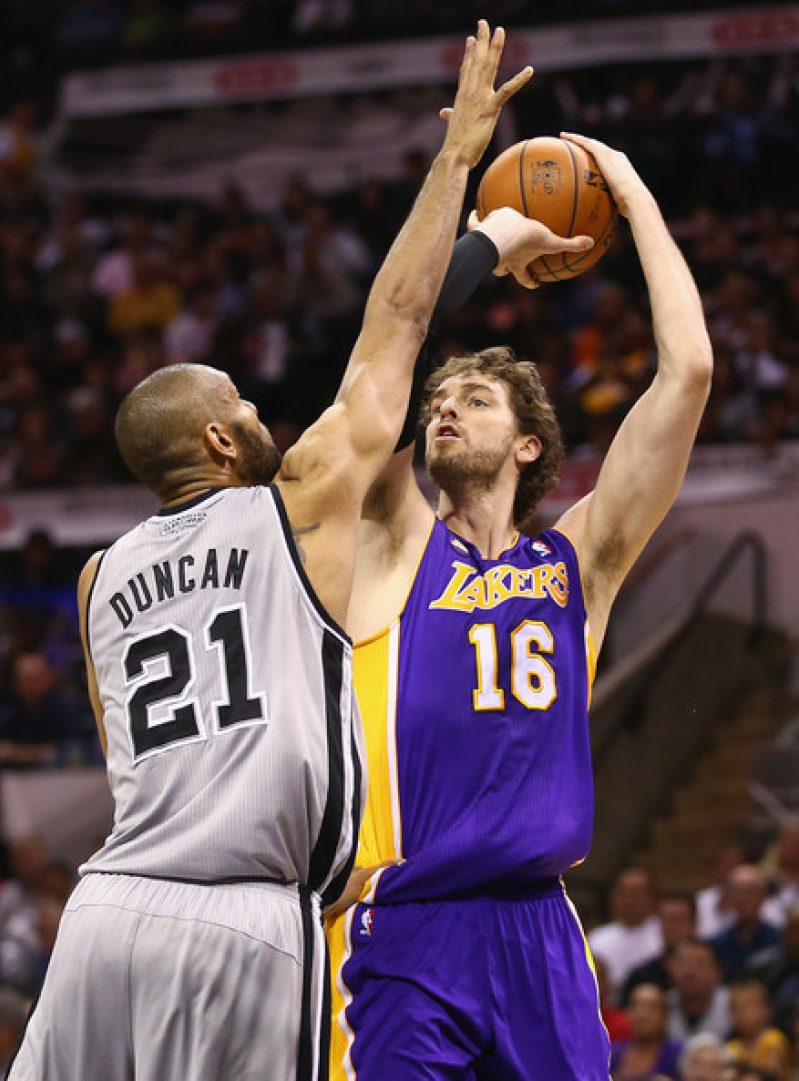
pixel 478 401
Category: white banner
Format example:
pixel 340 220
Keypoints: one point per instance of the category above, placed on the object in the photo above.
pixel 274 76
pixel 84 517
pixel 78 517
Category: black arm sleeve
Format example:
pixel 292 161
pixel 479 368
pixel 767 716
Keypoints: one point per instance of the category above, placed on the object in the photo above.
pixel 473 258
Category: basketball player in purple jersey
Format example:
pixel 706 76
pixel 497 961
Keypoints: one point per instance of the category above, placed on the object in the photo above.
pixel 475 654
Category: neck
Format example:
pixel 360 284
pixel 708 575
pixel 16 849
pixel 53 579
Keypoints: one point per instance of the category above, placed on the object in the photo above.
pixel 647 1043
pixel 695 1005
pixel 483 518
pixel 190 489
pixel 746 928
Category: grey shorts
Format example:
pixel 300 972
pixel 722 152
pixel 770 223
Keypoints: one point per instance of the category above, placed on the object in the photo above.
pixel 168 981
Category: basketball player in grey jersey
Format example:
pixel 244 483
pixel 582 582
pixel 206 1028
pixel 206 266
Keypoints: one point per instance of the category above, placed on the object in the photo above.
pixel 221 681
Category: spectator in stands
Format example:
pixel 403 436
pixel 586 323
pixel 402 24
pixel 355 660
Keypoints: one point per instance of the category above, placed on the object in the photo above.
pixel 14 1007
pixel 703 1059
pixel 756 1042
pixel 58 881
pixel 39 726
pixel 189 337
pixel 698 1002
pixel 23 312
pixel 676 910
pixel 733 411
pixel 778 969
pixel 26 944
pixel 633 935
pixel 615 1019
pixel 749 933
pixel 20 894
pixel 649 1051
pixel 151 302
pixel 322 19
pixel 19 139
pixel 296 199
pixel 36 457
pixel 733 143
pixel 784 880
pixel 713 914
pixel 91 459
pixel 374 218
pixel 749 1073
pixel 114 273
pixel 37 563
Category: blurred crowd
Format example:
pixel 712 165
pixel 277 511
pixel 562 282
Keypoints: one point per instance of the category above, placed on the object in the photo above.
pixel 704 986
pixel 693 985
pixel 95 293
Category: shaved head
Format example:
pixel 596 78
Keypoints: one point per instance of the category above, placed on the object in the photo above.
pixel 161 424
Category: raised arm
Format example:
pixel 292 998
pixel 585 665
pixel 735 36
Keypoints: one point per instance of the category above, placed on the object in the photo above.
pixel 85 583
pixel 645 466
pixel 505 242
pixel 368 413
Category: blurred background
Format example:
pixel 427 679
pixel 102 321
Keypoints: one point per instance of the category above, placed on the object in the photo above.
pixel 218 181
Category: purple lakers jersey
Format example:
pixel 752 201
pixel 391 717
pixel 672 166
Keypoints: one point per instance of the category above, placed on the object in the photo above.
pixel 475 705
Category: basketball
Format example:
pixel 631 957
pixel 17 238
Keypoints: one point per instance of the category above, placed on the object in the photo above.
pixel 558 183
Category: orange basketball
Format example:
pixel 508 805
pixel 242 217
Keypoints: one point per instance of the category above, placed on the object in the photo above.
pixel 558 183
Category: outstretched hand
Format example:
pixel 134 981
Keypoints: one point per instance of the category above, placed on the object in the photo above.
pixel 474 114
pixel 617 169
pixel 520 240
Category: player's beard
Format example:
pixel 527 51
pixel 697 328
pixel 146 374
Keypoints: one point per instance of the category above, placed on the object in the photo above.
pixel 461 469
pixel 260 458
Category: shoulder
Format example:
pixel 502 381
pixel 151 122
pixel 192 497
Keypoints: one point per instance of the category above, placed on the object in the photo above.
pixel 773 1038
pixel 88 574
pixel 604 935
pixel 321 449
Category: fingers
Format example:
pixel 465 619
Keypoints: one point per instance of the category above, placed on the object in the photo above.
pixel 445 113
pixel 473 221
pixel 485 54
pixel 501 272
pixel 578 243
pixel 525 278
pixel 495 48
pixel 584 141
pixel 466 63
pixel 508 89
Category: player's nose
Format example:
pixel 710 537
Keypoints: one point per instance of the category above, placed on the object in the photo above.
pixel 449 407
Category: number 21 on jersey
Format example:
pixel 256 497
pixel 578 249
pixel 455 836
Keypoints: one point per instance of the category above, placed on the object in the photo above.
pixel 160 669
pixel 532 678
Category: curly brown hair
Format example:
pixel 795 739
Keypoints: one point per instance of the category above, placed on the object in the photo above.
pixel 531 407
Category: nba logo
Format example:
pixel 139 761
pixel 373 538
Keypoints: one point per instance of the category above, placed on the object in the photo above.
pixel 541 549
pixel 366 922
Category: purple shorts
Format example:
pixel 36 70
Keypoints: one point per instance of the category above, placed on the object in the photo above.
pixel 485 989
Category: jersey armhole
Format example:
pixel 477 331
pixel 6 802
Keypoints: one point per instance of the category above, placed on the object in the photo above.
pixel 590 645
pixel 305 581
pixel 384 630
pixel 89 598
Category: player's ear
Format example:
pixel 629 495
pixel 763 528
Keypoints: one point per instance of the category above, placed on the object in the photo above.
pixel 528 449
pixel 219 442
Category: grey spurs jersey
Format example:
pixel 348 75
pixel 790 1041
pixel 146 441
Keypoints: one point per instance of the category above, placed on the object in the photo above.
pixel 234 740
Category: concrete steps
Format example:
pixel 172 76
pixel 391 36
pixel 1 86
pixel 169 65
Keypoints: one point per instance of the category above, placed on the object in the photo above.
pixel 712 806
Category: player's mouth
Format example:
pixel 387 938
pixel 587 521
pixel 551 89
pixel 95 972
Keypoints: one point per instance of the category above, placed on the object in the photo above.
pixel 446 432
